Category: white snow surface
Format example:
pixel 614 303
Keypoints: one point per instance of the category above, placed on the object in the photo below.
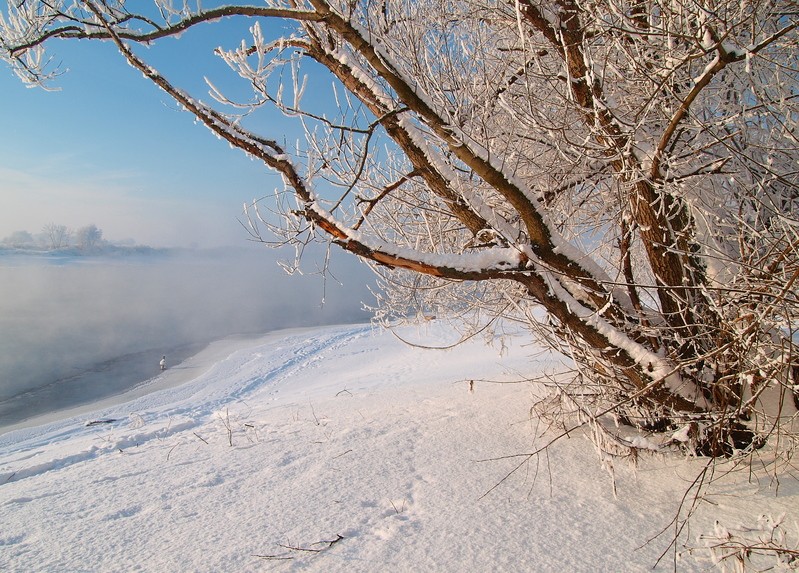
pixel 255 455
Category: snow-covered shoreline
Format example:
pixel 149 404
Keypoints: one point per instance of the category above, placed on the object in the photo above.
pixel 184 371
pixel 123 403
pixel 343 449
pixel 95 386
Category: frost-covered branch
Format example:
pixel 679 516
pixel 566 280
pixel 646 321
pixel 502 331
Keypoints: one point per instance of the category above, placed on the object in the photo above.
pixel 619 177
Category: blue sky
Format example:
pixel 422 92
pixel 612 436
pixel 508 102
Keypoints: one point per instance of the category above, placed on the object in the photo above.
pixel 112 150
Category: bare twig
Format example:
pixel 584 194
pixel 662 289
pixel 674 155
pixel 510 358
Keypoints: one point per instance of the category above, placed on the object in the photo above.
pixel 396 510
pixel 342 454
pixel 228 427
pixel 275 557
pixel 169 453
pixel 314 413
pixel 327 545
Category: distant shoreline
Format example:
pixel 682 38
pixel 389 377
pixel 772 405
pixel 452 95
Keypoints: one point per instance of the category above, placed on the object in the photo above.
pixel 110 251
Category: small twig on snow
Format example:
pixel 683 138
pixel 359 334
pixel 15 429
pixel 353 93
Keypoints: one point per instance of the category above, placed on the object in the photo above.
pixel 400 510
pixel 327 543
pixel 314 414
pixel 274 557
pixel 170 451
pixel 228 427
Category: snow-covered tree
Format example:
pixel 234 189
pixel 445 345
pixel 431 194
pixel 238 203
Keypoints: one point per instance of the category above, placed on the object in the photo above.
pixel 629 167
pixel 88 237
pixel 57 235
pixel 19 239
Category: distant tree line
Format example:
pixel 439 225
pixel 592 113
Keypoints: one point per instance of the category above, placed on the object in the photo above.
pixel 55 237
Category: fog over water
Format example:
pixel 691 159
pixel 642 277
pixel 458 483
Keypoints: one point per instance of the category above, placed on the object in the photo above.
pixel 75 329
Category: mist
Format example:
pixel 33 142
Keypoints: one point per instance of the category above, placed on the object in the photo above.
pixel 75 329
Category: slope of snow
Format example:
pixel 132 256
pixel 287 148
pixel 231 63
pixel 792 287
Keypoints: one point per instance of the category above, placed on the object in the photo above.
pixel 342 449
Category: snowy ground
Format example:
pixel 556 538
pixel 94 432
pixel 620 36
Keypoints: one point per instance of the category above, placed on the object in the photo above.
pixel 342 449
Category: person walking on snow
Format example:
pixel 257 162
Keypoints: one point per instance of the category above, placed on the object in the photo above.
pixel 163 363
